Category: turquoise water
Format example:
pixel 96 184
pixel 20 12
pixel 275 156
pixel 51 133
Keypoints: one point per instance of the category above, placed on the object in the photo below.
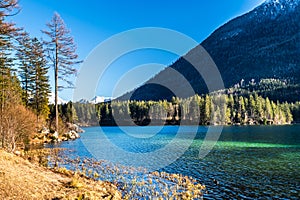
pixel 249 162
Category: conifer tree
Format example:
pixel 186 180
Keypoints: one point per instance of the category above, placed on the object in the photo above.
pixel 8 93
pixel 41 88
pixel 62 56
pixel 25 68
pixel 207 110
pixel 268 110
pixel 33 73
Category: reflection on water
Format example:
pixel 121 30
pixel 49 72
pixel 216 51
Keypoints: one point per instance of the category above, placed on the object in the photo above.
pixel 247 162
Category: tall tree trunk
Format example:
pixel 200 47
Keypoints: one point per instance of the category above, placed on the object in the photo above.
pixel 63 56
pixel 2 132
pixel 36 100
pixel 56 84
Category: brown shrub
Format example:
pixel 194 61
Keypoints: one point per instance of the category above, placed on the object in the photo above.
pixel 17 126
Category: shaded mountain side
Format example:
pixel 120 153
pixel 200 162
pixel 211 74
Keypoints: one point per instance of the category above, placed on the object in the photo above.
pixel 260 44
pixel 264 43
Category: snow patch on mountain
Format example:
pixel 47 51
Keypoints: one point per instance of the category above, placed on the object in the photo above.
pixel 95 100
pixel 51 99
pixel 276 7
pixel 232 34
pixel 100 99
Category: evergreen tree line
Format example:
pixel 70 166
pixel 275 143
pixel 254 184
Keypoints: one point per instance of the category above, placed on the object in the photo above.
pixel 24 81
pixel 197 110
pixel 295 108
pixel 83 114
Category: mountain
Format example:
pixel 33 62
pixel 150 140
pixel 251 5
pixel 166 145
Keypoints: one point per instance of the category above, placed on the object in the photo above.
pixel 95 100
pixel 98 99
pixel 261 44
pixel 51 99
pixel 83 101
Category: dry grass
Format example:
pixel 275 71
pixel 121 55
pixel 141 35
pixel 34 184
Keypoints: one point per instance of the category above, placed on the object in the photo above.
pixel 134 183
pixel 20 179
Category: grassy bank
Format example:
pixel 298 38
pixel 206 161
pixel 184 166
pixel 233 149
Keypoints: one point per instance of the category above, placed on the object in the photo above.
pixel 21 179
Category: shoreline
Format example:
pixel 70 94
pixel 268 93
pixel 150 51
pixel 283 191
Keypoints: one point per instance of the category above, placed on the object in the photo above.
pixel 36 176
pixel 22 179
pixel 227 125
pixel 45 135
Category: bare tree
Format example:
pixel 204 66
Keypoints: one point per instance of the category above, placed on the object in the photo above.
pixel 62 55
pixel 8 8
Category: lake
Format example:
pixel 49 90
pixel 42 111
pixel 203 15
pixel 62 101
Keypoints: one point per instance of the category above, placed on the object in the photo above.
pixel 247 161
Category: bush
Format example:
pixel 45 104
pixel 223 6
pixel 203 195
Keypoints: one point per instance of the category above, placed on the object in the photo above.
pixel 17 126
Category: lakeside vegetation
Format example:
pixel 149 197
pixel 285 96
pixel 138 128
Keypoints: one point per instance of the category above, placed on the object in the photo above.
pixel 205 110
pixel 133 182
pixel 25 62
pixel 214 109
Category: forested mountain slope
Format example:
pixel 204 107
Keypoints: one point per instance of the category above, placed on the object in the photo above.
pixel 261 44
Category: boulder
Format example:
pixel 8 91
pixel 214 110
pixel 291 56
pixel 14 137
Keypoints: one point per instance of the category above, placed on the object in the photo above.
pixel 45 131
pixel 55 135
pixel 18 153
pixel 71 135
pixel 74 127
pixel 52 137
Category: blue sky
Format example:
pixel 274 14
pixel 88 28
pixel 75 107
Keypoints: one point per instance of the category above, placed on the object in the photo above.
pixel 92 22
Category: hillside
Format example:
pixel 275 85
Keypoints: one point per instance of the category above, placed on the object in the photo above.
pixel 274 89
pixel 20 179
pixel 263 43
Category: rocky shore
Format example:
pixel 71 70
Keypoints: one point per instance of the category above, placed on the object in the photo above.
pixel 47 136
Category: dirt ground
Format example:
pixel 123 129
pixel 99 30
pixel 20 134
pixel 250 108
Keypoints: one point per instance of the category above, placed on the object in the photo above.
pixel 20 179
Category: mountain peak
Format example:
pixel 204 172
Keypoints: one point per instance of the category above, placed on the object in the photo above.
pixel 275 7
pixel 95 100
pixel 282 2
pixel 51 99
pixel 261 44
pixel 100 99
